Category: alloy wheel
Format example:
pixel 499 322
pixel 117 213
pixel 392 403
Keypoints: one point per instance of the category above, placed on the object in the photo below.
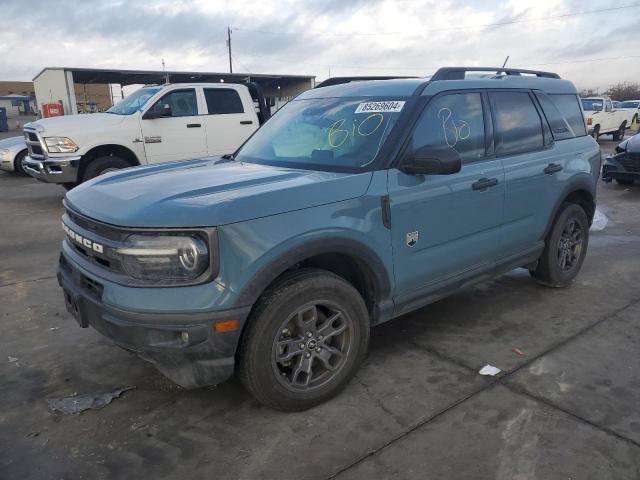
pixel 312 346
pixel 570 245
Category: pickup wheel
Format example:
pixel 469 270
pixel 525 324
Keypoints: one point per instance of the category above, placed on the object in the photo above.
pixel 619 134
pixel 565 248
pixel 596 132
pixel 103 165
pixel 305 339
pixel 17 163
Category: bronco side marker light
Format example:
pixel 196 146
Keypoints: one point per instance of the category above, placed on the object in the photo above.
pixel 226 326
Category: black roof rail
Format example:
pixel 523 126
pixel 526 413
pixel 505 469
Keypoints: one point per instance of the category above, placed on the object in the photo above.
pixel 339 80
pixel 458 73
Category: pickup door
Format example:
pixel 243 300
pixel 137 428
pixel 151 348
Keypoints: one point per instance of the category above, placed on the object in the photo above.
pixel 230 118
pixel 179 136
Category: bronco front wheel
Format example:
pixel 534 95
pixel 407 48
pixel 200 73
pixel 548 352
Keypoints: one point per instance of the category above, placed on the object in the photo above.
pixel 305 339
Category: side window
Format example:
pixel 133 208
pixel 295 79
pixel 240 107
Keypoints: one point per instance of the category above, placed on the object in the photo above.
pixel 518 125
pixel 560 128
pixel 455 121
pixel 222 100
pixel 569 106
pixel 183 103
pixel 607 106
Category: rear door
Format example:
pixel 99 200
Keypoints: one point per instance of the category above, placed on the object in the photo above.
pixel 180 136
pixel 229 121
pixel 445 226
pixel 533 166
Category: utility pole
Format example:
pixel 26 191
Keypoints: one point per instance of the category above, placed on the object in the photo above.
pixel 229 45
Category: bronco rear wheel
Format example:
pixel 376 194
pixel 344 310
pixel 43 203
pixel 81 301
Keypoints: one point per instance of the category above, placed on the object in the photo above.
pixel 565 248
pixel 305 340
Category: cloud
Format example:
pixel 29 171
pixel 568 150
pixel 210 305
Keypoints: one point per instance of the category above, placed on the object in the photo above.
pixel 408 37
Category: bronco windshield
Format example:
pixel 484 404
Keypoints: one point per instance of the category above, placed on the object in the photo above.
pixel 134 102
pixel 336 134
pixel 591 105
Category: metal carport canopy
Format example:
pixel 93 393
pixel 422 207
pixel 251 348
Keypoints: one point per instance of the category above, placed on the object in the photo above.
pixel 132 77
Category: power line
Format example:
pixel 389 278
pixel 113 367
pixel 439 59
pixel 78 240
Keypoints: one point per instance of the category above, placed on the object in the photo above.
pixel 471 27
pixel 425 69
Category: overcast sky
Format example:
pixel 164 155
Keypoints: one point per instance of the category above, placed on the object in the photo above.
pixel 337 37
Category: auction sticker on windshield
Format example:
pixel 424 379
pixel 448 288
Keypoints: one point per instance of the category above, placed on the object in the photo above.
pixel 378 107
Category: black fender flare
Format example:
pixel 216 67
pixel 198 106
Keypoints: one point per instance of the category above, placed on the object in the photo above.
pixel 583 182
pixel 272 270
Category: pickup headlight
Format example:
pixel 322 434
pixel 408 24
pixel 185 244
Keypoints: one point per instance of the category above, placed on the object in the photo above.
pixel 60 145
pixel 164 259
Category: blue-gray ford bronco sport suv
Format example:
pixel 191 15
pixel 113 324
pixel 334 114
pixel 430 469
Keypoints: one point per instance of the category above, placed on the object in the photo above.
pixel 358 202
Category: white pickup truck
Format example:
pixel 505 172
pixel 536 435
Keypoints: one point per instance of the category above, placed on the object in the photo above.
pixel 154 124
pixel 601 117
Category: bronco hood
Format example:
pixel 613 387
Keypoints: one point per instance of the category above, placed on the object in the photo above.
pixel 202 193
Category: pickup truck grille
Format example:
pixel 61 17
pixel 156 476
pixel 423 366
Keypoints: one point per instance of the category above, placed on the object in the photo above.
pixel 631 162
pixel 34 144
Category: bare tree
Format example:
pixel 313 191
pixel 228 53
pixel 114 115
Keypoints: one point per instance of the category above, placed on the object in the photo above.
pixel 624 91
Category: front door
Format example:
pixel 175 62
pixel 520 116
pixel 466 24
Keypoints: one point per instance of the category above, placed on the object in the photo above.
pixel 179 136
pixel 447 226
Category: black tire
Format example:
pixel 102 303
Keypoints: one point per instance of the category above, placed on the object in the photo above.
pixel 269 343
pixel 596 132
pixel 69 186
pixel 102 165
pixel 625 183
pixel 619 134
pixel 17 163
pixel 549 270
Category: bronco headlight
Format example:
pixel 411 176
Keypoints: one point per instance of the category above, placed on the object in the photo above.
pixel 164 259
pixel 60 145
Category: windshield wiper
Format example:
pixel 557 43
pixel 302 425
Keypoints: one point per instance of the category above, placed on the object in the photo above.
pixel 227 157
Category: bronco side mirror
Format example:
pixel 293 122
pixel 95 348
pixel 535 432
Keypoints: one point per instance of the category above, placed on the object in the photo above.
pixel 158 111
pixel 432 161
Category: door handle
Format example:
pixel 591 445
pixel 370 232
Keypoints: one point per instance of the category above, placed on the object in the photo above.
pixel 246 122
pixel 484 183
pixel 552 168
pixel 193 125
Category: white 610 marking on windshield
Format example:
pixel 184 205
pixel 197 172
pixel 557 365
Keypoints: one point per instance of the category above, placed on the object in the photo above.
pixel 461 131
pixel 378 107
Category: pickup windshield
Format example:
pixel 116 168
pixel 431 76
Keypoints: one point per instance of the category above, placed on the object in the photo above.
pixel 334 134
pixel 591 104
pixel 134 102
pixel 630 104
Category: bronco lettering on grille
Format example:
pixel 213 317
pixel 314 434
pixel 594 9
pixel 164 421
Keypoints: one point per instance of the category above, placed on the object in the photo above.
pixel 85 242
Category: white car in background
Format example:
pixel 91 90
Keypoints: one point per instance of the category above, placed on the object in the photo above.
pixel 632 106
pixel 601 117
pixel 13 150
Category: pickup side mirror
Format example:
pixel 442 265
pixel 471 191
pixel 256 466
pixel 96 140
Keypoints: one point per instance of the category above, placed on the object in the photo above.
pixel 158 111
pixel 432 161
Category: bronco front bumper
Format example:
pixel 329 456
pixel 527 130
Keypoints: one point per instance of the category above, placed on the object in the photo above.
pixel 183 346
pixel 53 170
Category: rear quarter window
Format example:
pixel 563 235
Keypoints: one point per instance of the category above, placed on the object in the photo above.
pixel 560 128
pixel 569 107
